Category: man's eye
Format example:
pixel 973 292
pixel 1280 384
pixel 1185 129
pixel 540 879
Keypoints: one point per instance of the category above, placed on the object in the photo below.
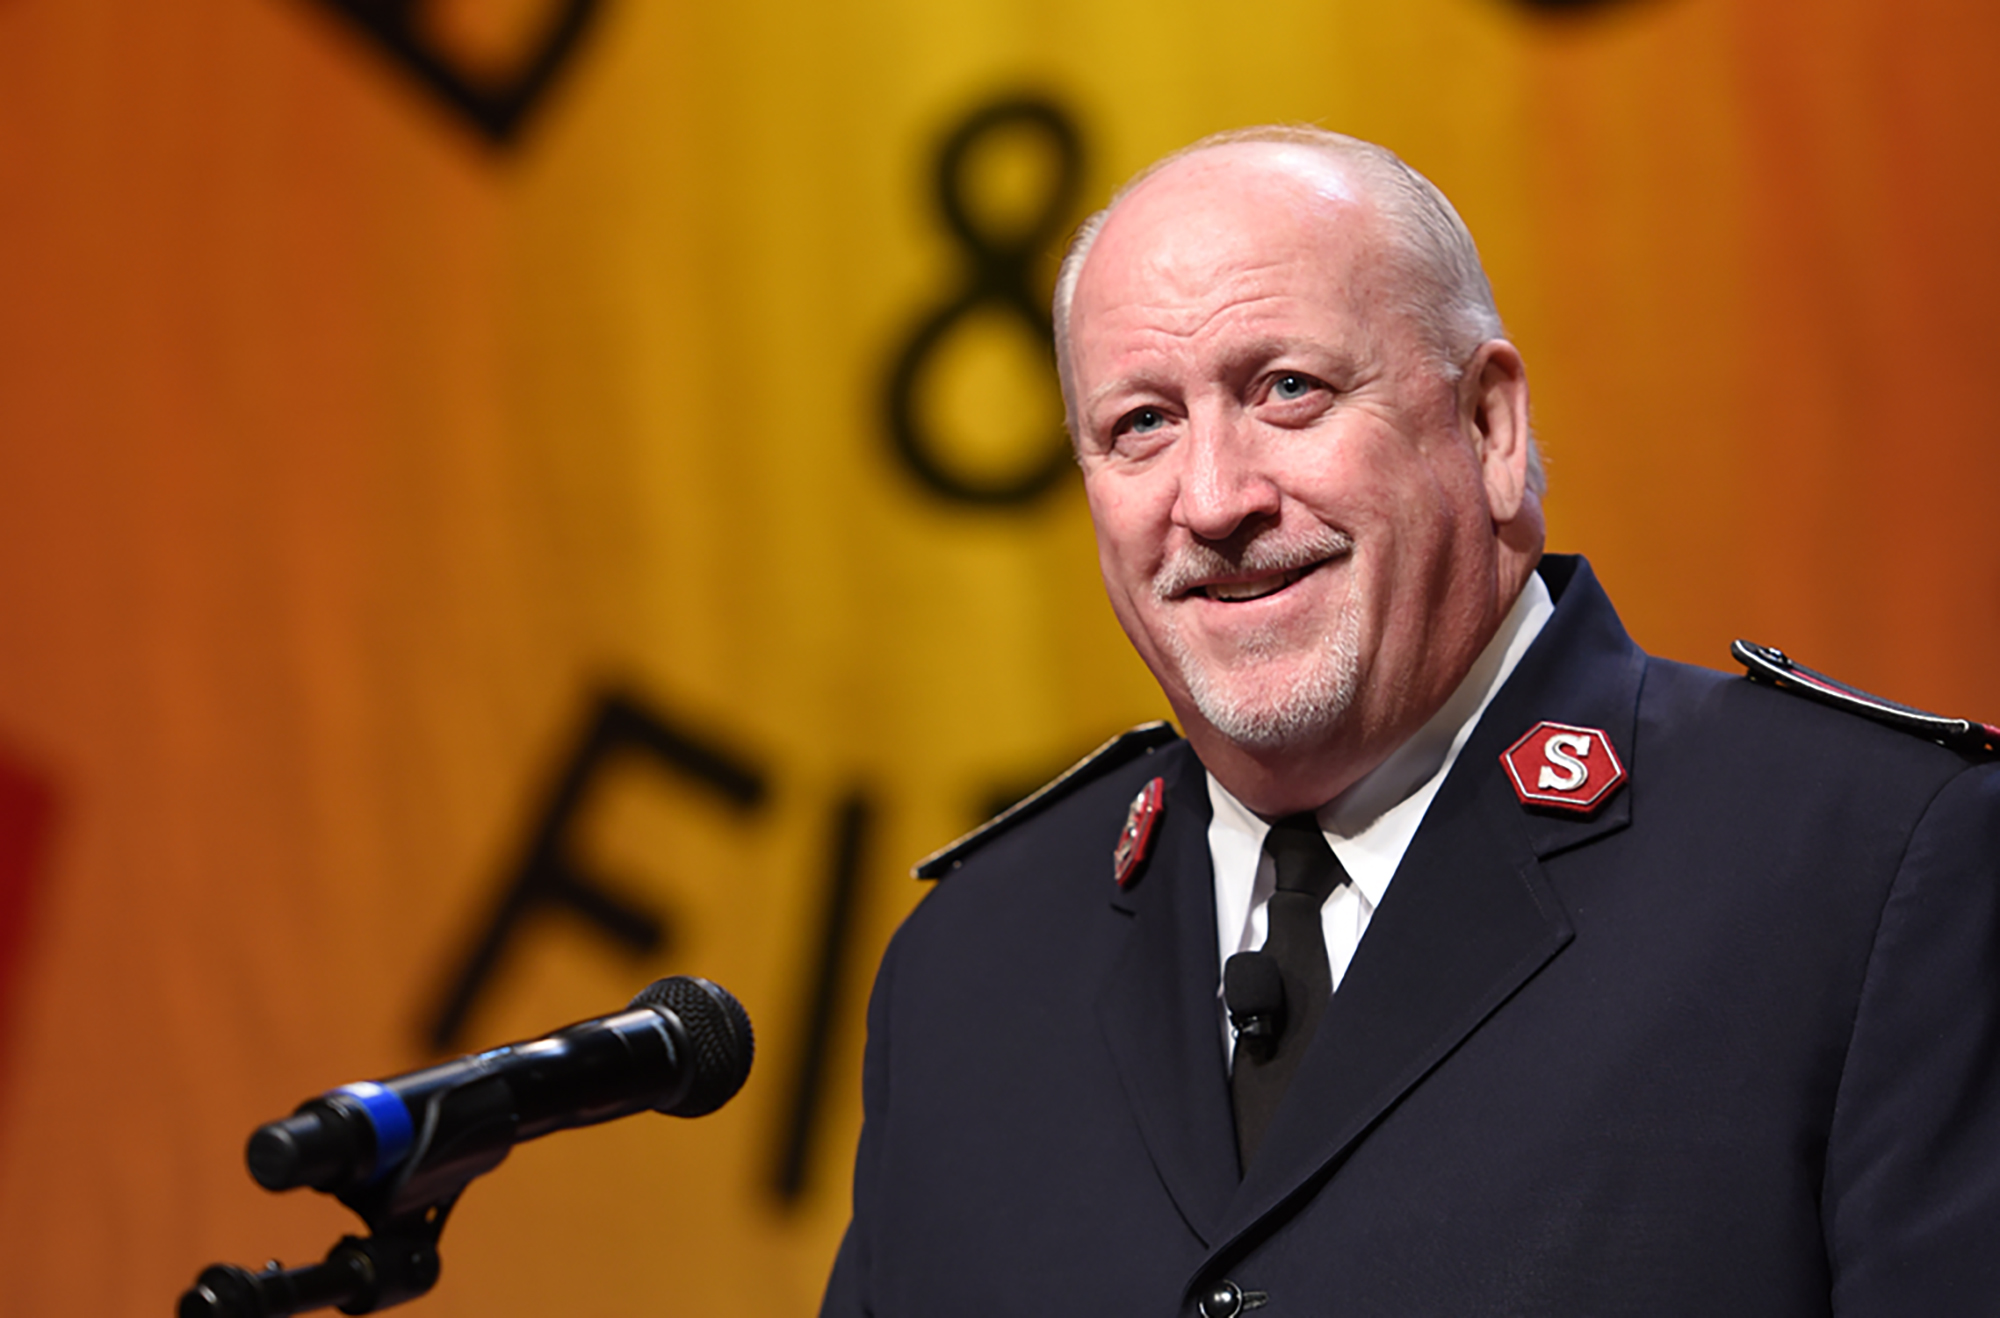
pixel 1291 387
pixel 1143 420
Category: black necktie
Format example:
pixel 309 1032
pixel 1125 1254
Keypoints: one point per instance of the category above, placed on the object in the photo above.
pixel 1308 872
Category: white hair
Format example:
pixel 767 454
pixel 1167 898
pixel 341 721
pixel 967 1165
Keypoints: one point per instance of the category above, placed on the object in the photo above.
pixel 1446 292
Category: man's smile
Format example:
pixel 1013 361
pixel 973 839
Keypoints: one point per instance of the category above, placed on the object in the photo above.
pixel 1258 570
pixel 1254 588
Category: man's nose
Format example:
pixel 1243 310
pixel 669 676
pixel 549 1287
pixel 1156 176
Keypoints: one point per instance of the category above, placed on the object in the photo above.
pixel 1223 483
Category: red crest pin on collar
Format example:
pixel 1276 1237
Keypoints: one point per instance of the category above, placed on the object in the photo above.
pixel 1564 767
pixel 1137 836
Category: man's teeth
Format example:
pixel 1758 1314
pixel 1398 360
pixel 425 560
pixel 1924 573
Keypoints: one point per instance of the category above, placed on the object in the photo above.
pixel 1233 592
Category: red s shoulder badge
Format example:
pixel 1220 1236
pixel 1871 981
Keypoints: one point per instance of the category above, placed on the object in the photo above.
pixel 1564 767
pixel 1137 836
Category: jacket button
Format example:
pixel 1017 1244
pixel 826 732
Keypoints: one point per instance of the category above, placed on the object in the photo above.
pixel 1224 1301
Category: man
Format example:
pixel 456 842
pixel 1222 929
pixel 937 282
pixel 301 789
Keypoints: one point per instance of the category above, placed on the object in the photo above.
pixel 1578 982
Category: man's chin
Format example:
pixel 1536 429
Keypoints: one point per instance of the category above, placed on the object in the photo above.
pixel 1261 717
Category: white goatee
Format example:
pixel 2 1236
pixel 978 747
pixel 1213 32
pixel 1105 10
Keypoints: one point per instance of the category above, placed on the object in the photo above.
pixel 1251 709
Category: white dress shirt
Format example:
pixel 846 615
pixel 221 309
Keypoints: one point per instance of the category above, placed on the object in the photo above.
pixel 1369 826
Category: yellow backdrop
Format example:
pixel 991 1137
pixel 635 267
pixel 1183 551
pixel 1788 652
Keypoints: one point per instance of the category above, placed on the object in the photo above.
pixel 371 424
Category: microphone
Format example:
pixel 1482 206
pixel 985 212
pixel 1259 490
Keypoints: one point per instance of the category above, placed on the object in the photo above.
pixel 682 1047
pixel 1254 991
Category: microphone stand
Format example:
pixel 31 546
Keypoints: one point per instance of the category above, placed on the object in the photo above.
pixel 691 1040
pixel 405 1214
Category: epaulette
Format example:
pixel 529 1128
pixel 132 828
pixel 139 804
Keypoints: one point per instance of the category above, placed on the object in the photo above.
pixel 1121 749
pixel 1777 669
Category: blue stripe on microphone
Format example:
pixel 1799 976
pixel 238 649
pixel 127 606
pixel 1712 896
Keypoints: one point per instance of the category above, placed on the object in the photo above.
pixel 394 1131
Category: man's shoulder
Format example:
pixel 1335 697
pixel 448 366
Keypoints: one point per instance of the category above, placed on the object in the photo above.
pixel 1770 667
pixel 1810 729
pixel 1772 699
pixel 1038 884
pixel 1076 797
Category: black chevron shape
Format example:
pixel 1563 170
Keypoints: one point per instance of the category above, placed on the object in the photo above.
pixel 498 107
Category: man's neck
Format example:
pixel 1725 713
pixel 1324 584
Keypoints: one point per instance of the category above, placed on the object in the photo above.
pixel 1423 757
pixel 1430 750
pixel 1299 777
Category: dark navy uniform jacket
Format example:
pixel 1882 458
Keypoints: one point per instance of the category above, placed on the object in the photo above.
pixel 1728 1046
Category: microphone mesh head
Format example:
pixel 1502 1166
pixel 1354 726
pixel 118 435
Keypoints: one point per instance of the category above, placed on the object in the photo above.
pixel 1252 985
pixel 718 1030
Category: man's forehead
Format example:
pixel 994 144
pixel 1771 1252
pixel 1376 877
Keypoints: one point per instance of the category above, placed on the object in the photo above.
pixel 1227 223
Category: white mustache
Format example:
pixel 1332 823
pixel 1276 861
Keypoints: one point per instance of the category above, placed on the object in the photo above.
pixel 1194 563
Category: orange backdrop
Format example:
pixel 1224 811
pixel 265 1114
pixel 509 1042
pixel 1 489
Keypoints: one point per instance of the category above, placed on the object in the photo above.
pixel 369 418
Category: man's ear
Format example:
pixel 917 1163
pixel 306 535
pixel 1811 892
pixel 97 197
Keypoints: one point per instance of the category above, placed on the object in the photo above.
pixel 1493 409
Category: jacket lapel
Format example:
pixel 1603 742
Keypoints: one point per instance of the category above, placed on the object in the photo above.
pixel 1470 917
pixel 1159 1014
